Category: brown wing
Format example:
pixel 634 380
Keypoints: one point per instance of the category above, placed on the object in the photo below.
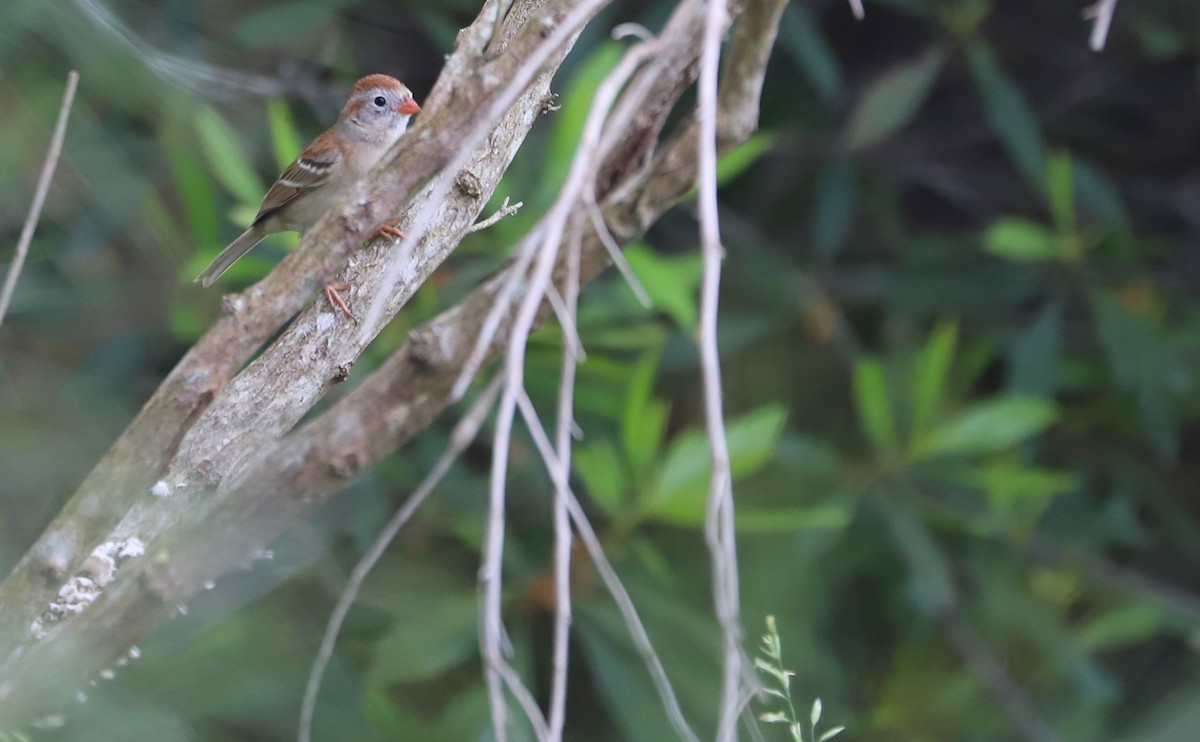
pixel 310 170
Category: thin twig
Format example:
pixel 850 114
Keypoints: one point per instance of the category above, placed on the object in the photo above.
pixel 614 250
pixel 566 321
pixel 503 211
pixel 718 524
pixel 612 581
pixel 39 195
pixel 856 7
pixel 205 80
pixel 1101 13
pixel 582 171
pixel 562 518
pixel 462 435
pixel 549 232
pixel 989 668
pixel 498 310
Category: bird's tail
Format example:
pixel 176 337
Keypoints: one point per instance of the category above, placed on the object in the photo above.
pixel 229 255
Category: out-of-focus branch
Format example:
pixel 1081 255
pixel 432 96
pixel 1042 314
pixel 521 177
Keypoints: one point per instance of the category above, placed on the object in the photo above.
pixel 206 81
pixel 49 165
pixel 1100 14
pixel 988 668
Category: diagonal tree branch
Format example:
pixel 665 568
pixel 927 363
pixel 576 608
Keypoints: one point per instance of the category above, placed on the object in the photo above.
pixel 228 499
pixel 180 443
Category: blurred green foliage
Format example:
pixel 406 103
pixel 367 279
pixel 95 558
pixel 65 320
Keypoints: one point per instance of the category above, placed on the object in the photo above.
pixel 960 332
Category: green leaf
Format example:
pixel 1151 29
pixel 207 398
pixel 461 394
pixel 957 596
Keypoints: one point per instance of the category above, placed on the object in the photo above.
pixel 1097 194
pixel 930 374
pixel 196 192
pixel 989 426
pixel 428 644
pixel 670 280
pixel 1021 240
pixel 650 554
pixel 735 162
pixel 276 24
pixel 681 489
pixel 644 421
pixel 624 687
pixel 892 100
pixel 790 520
pixel 801 37
pixel 929 571
pixel 1009 115
pixel 386 714
pixel 831 734
pixel 285 138
pixel 226 158
pixel 569 118
pixel 1034 354
pixel 833 208
pixel 1007 482
pixel 874 406
pixel 1133 623
pixel 1062 192
pixel 1144 362
pixel 600 467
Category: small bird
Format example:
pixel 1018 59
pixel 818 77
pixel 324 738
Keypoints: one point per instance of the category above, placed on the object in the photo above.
pixel 374 117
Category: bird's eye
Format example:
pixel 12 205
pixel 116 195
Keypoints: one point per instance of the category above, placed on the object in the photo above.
pixel 380 101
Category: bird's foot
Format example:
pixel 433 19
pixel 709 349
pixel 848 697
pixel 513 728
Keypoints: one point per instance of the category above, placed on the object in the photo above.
pixel 336 301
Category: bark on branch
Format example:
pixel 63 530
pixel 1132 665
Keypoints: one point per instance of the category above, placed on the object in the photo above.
pixel 218 444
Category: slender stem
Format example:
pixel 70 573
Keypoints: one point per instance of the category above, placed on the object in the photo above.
pixel 39 196
pixel 562 517
pixel 719 528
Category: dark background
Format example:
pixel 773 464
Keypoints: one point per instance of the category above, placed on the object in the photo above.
pixel 959 329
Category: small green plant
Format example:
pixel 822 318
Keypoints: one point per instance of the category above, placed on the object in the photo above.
pixel 771 666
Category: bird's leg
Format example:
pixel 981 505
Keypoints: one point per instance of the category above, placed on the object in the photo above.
pixel 389 229
pixel 335 299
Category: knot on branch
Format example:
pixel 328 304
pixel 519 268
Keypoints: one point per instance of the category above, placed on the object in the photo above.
pixel 342 372
pixel 346 466
pixel 468 183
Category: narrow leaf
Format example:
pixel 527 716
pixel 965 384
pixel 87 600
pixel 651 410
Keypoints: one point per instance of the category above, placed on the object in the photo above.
pixel 1021 241
pixel 228 162
pixel 932 370
pixel 892 100
pixel 874 405
pixel 989 426
pixel 1009 114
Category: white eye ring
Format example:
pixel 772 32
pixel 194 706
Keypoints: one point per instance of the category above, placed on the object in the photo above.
pixel 379 101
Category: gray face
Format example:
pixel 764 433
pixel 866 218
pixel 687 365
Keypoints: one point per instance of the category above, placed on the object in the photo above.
pixel 373 114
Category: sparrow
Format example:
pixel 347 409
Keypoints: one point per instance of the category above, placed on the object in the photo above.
pixel 375 115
